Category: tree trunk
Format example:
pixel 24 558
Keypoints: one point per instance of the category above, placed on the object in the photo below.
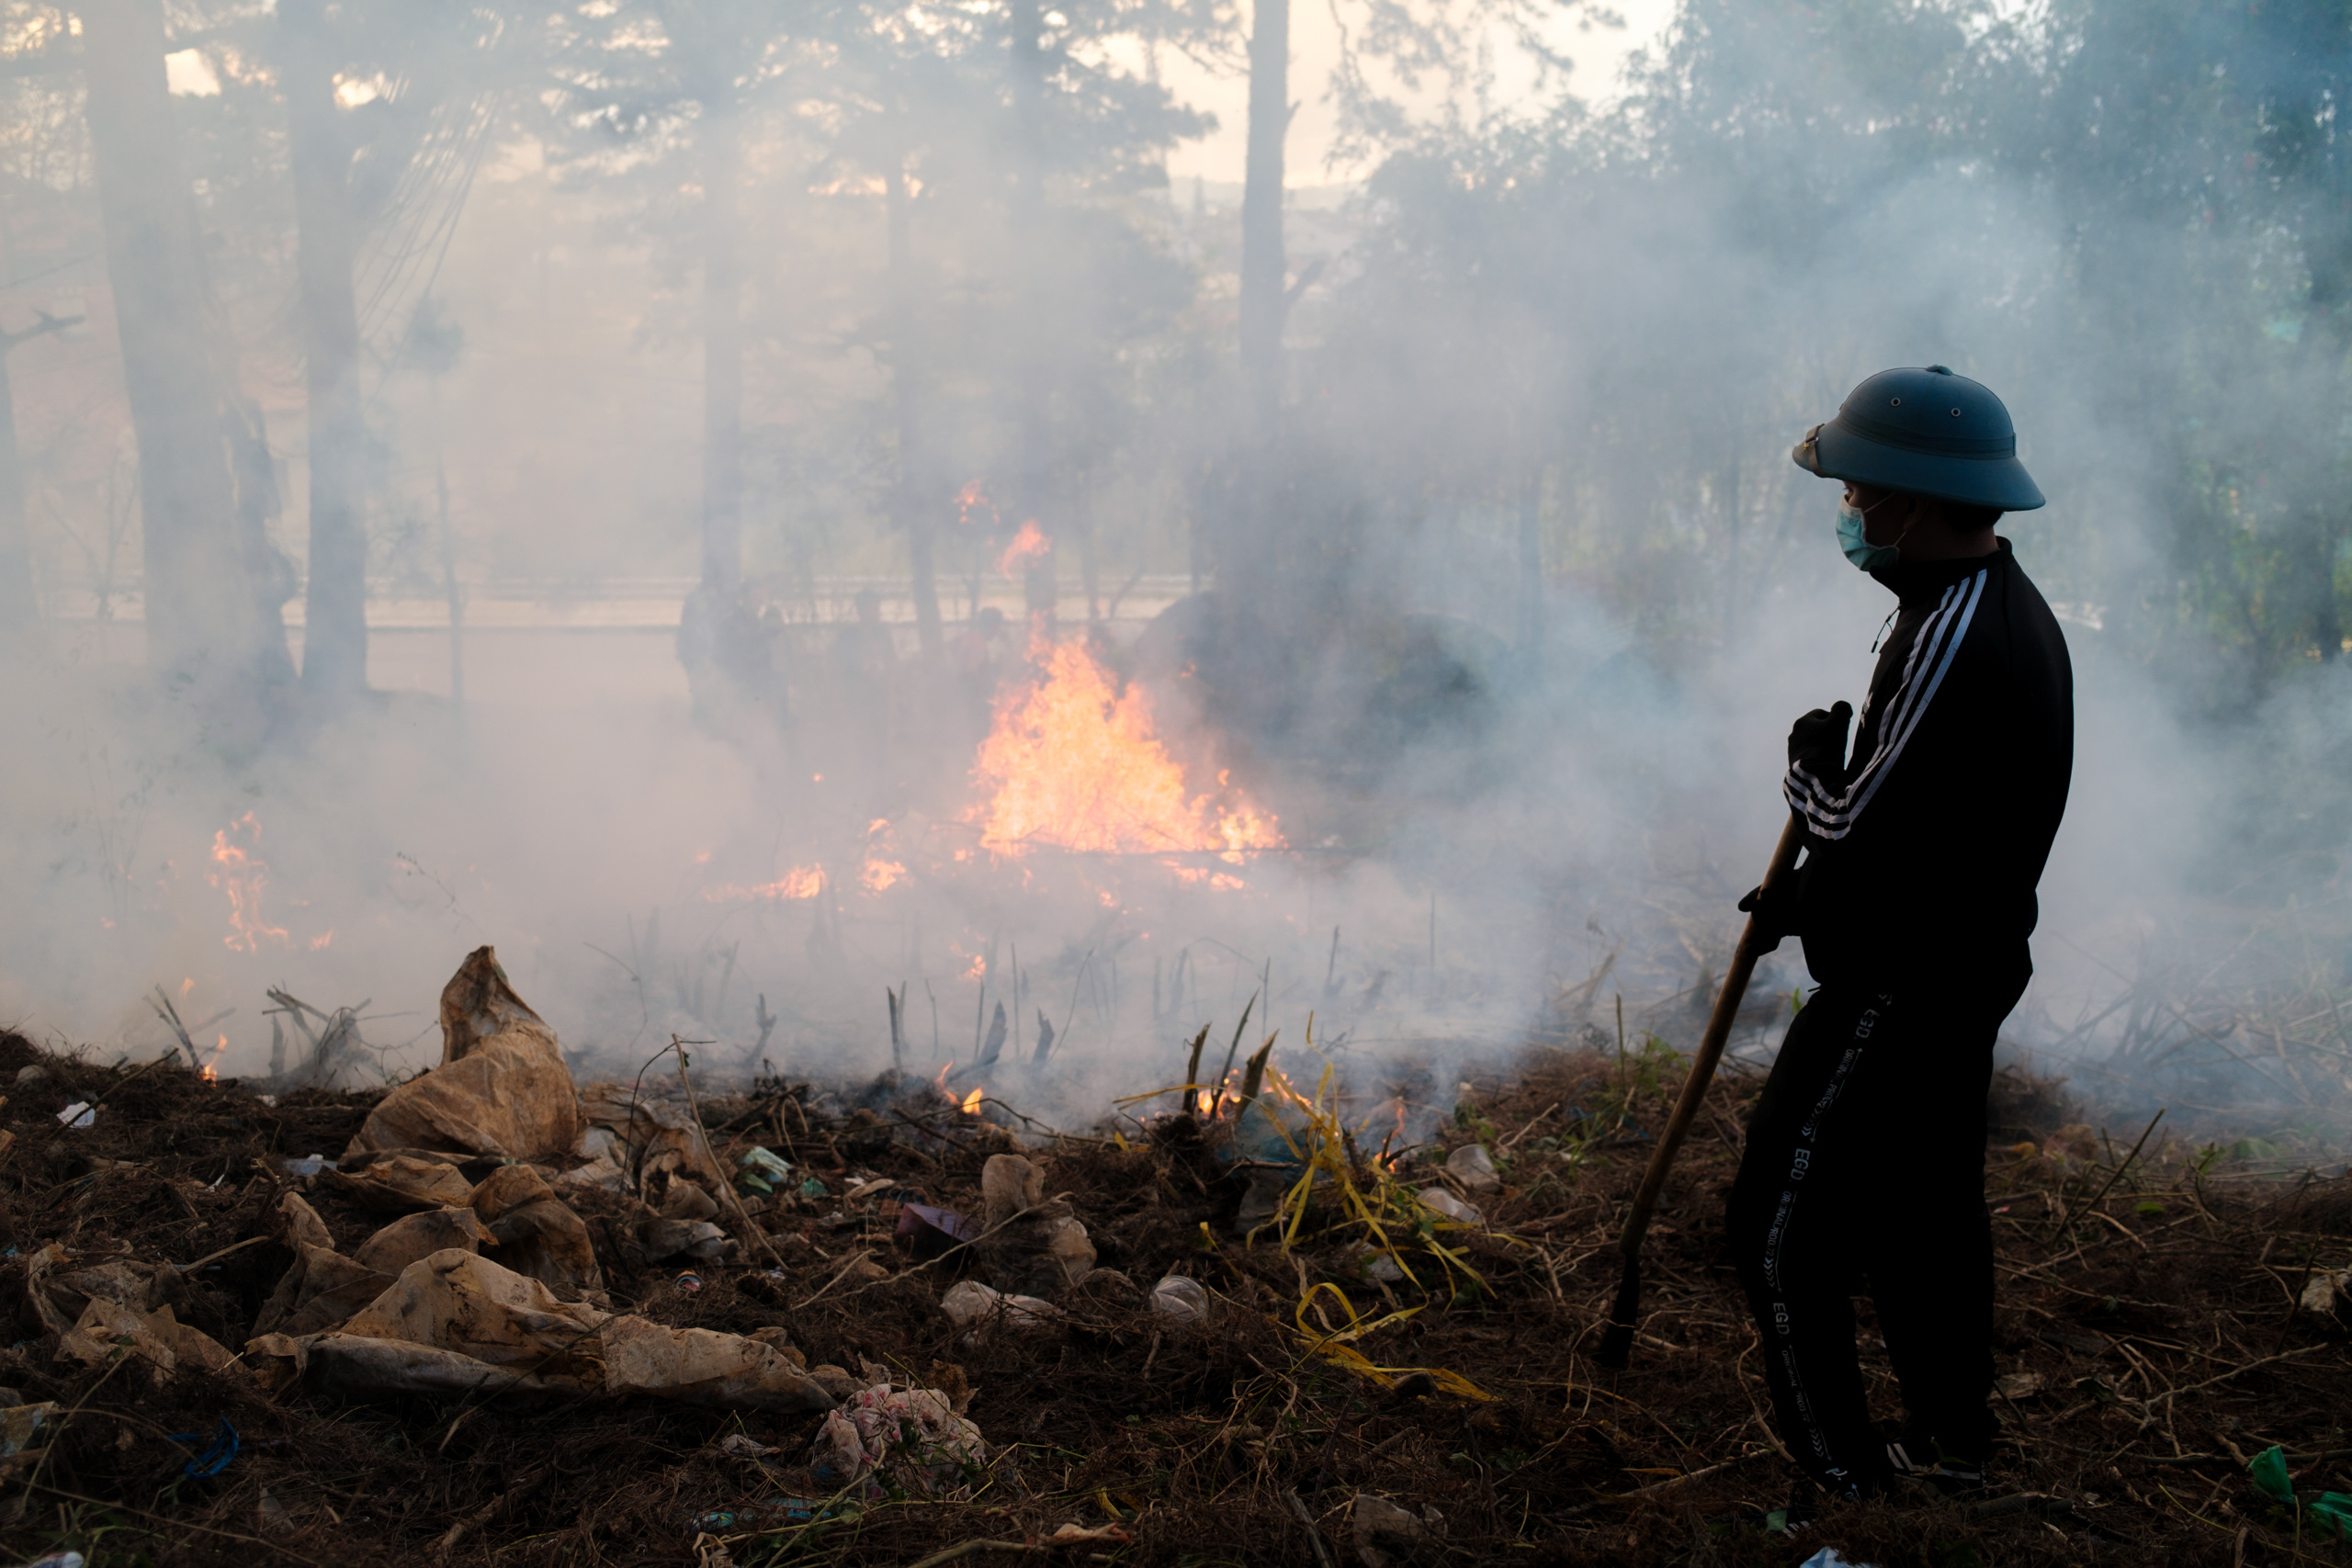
pixel 1264 267
pixel 334 639
pixel 914 494
pixel 1031 257
pixel 722 349
pixel 201 620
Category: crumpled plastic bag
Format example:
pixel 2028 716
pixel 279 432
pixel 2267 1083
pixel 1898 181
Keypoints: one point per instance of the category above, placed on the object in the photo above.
pixel 58 1292
pixel 413 1236
pixel 970 1304
pixel 1386 1535
pixel 158 1335
pixel 655 1135
pixel 538 1235
pixel 698 1366
pixel 459 1300
pixel 911 1436
pixel 2331 1511
pixel 319 1289
pixel 502 1086
pixel 401 1184
pixel 457 1323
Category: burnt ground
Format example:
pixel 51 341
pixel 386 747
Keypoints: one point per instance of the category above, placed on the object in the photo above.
pixel 2154 1302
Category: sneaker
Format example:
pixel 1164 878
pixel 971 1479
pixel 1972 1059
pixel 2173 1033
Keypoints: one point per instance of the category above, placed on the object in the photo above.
pixel 1919 1458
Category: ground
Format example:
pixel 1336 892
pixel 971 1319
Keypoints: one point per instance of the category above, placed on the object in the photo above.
pixel 2155 1302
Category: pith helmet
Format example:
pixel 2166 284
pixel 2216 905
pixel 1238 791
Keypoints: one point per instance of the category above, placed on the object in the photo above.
pixel 1924 433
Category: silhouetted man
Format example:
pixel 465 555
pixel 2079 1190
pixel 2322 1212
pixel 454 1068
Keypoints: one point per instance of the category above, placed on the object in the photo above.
pixel 1865 1168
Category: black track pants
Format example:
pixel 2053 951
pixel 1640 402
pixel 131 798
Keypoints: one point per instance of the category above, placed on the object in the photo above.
pixel 1864 1172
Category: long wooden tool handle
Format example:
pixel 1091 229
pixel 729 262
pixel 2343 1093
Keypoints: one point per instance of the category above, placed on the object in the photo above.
pixel 1711 1051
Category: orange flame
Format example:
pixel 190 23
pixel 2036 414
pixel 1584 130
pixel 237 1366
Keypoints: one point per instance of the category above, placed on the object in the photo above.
pixel 942 1079
pixel 211 1073
pixel 1032 544
pixel 972 1104
pixel 970 502
pixel 1072 761
pixel 880 873
pixel 241 876
pixel 800 881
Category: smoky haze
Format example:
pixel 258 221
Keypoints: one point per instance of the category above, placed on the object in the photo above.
pixel 556 478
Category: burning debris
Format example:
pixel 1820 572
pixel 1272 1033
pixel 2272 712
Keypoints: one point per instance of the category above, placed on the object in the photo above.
pixel 1243 1315
pixel 1075 763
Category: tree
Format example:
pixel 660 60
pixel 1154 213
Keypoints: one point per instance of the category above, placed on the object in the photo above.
pixel 204 620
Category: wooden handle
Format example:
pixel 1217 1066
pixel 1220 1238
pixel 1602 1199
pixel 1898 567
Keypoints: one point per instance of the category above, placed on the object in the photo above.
pixel 1711 1051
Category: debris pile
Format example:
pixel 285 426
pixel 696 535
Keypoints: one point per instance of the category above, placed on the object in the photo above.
pixel 523 1321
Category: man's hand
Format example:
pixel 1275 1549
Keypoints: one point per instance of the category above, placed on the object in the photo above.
pixel 1818 743
pixel 1773 913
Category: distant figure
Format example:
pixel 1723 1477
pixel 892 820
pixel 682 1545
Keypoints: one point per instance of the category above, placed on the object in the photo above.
pixel 725 640
pixel 1865 1160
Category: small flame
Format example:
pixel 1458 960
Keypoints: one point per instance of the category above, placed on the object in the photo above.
pixel 801 882
pixel 1205 1102
pixel 241 876
pixel 971 502
pixel 1030 546
pixel 942 1079
pixel 972 1104
pixel 211 1073
pixel 979 967
pixel 320 944
pixel 186 985
pixel 880 873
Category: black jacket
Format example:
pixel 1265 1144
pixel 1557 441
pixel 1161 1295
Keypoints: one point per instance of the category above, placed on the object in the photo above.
pixel 1923 853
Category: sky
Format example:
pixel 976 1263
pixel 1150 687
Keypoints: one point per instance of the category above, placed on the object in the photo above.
pixel 1599 54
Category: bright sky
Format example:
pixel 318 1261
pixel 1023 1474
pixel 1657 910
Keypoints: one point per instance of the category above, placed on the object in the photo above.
pixel 1315 46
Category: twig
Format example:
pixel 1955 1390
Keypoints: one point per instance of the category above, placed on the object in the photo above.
pixel 2114 1175
pixel 1314 1537
pixel 725 1179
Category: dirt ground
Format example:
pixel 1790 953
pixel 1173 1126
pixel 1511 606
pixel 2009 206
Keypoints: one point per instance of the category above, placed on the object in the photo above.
pixel 2150 1341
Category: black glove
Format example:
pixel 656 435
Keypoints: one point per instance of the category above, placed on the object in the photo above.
pixel 1775 913
pixel 1818 743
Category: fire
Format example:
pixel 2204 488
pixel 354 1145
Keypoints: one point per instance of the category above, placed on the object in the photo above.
pixel 972 1104
pixel 1030 544
pixel 801 882
pixel 212 1068
pixel 971 502
pixel 241 876
pixel 1072 761
pixel 942 1079
pixel 320 944
pixel 880 873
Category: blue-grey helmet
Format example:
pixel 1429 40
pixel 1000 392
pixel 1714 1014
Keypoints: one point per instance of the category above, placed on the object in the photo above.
pixel 1925 432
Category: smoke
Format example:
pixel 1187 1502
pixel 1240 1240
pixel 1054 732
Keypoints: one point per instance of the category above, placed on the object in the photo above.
pixel 1505 800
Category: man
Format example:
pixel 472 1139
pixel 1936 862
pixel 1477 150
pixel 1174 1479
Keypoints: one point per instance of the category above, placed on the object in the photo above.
pixel 1865 1168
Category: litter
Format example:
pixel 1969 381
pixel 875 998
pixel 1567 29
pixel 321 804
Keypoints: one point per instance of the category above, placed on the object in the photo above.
pixel 19 1422
pixel 81 1113
pixel 502 1086
pixel 306 1167
pixel 1180 1298
pixel 761 1171
pixel 912 1436
pixel 1385 1533
pixel 1830 1556
pixel 1452 1208
pixel 1473 1167
pixel 2331 1510
pixel 970 1304
pixel 812 1187
pixel 689 1281
pixel 217 1453
pixel 934 1231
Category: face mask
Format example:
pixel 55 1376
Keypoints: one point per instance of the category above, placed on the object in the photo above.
pixel 1865 556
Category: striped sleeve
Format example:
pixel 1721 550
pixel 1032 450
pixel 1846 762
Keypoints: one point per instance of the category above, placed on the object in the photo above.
pixel 1831 813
